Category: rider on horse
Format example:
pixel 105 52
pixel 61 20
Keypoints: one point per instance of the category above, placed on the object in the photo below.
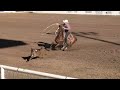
pixel 63 35
pixel 66 28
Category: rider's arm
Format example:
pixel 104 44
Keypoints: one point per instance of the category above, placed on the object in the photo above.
pixel 67 26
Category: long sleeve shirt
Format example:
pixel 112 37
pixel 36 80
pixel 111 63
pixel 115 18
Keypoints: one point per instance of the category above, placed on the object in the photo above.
pixel 66 26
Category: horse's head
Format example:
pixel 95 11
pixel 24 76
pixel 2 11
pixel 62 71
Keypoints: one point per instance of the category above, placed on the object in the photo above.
pixel 60 29
pixel 59 34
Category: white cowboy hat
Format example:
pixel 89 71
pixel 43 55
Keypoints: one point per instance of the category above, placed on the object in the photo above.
pixel 65 21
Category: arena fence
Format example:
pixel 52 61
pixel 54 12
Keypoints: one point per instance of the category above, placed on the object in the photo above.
pixel 8 72
pixel 69 12
pixel 82 12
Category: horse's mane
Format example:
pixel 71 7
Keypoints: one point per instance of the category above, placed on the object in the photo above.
pixel 60 35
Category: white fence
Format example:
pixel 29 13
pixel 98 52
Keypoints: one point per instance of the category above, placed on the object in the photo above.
pixel 18 70
pixel 70 12
pixel 82 12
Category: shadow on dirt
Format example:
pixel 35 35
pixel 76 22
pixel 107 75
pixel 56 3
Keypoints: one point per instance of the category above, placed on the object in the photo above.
pixel 47 46
pixel 5 43
pixel 87 35
pixel 42 45
pixel 28 58
pixel 82 34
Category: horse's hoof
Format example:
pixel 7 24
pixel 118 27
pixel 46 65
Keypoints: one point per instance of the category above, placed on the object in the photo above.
pixel 62 49
pixel 66 48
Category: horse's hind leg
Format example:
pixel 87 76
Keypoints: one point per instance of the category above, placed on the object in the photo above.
pixel 65 46
pixel 56 46
pixel 73 42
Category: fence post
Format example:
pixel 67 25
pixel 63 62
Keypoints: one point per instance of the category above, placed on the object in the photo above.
pixel 2 73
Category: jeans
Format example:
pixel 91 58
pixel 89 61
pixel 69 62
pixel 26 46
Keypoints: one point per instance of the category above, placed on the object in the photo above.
pixel 66 35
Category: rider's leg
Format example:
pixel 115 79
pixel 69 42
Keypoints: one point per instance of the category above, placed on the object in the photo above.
pixel 66 34
pixel 65 40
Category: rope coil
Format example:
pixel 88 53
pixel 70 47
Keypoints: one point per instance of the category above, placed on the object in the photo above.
pixel 49 27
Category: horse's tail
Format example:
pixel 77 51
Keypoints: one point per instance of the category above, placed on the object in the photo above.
pixel 74 39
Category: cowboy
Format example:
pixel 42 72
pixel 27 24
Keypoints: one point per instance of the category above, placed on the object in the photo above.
pixel 66 28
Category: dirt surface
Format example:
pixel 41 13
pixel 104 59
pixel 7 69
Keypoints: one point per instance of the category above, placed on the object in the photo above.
pixel 95 55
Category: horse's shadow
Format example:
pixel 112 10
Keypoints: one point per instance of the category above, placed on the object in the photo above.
pixel 47 46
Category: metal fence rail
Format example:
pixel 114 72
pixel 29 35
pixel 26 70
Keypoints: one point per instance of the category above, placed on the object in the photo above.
pixel 21 70
pixel 69 12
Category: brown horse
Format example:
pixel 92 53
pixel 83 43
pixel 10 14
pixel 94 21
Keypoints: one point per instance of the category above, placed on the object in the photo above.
pixel 59 39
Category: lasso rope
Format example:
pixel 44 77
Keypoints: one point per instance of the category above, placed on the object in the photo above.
pixel 49 27
pixel 43 32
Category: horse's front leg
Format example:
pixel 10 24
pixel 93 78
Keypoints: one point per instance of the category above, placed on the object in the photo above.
pixel 64 48
pixel 53 46
pixel 57 45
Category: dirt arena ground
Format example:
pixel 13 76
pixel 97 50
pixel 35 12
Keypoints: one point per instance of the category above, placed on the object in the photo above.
pixel 96 54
